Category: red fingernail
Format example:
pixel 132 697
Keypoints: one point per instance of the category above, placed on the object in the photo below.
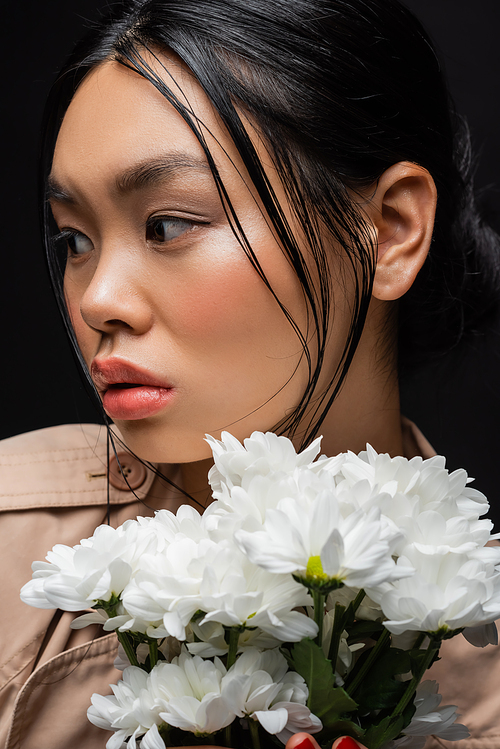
pixel 347 743
pixel 305 743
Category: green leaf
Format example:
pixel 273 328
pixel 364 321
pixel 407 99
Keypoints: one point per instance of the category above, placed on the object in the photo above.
pixel 336 730
pixel 330 707
pixel 326 700
pixel 379 689
pixel 379 734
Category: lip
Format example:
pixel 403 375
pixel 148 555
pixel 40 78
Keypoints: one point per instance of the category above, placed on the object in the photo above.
pixel 143 393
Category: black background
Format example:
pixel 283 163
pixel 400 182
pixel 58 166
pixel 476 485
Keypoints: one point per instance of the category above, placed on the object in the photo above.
pixel 456 403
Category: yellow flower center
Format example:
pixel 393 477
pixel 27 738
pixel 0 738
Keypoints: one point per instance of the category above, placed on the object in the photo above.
pixel 314 569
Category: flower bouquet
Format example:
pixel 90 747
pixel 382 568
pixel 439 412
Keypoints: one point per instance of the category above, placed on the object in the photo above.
pixel 311 595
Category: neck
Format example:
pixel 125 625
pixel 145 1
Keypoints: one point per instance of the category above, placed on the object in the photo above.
pixel 364 412
pixel 195 482
pixel 367 410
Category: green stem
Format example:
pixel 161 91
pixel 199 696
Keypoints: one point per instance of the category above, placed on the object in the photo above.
pixel 153 653
pixel 419 641
pixel 319 613
pixel 128 647
pixel 234 639
pixel 342 620
pixel 358 600
pixel 254 730
pixel 338 628
pixel 412 686
pixel 227 735
pixel 370 660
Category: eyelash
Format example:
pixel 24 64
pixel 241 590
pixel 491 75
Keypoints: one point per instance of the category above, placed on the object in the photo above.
pixel 153 222
pixel 66 235
pixel 151 226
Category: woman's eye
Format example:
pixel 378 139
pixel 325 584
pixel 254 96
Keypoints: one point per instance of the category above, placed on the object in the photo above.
pixel 164 229
pixel 78 244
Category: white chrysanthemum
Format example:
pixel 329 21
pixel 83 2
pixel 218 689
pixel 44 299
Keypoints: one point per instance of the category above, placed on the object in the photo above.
pixel 218 579
pixel 188 693
pixel 246 507
pixel 260 687
pixel 446 593
pixel 317 538
pixel 431 720
pixel 185 693
pixel 431 533
pixel 435 510
pixel 249 480
pixel 165 592
pixel 235 592
pixel 261 454
pixel 74 578
pixel 129 712
pixel 427 481
pixel 186 522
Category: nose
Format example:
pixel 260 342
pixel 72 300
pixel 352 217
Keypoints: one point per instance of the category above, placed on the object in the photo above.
pixel 115 298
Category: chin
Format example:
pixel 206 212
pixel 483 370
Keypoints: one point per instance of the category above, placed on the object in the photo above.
pixel 161 446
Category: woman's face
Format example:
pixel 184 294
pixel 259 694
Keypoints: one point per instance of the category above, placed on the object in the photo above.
pixel 180 333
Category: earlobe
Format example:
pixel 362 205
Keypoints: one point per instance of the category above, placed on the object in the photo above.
pixel 402 211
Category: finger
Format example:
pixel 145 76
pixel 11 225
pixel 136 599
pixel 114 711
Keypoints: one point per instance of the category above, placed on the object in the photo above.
pixel 302 741
pixel 345 742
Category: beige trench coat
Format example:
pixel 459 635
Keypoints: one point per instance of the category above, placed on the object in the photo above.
pixel 53 490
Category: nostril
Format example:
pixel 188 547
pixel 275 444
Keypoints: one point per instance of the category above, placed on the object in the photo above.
pixel 118 322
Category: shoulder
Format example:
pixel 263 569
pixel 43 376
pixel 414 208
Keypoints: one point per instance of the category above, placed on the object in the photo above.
pixel 57 467
pixel 60 439
pixel 52 443
pixel 52 466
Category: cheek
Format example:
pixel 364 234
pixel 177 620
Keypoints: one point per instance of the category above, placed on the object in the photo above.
pixel 225 303
pixel 85 336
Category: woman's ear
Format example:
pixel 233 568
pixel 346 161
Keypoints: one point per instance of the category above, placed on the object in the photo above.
pixel 402 210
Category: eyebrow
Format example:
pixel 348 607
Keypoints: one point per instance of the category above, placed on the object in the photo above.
pixel 139 176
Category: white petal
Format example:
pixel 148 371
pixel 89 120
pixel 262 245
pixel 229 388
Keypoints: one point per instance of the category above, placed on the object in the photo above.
pixel 34 595
pixel 273 721
pixel 332 554
pixel 482 636
pixel 96 617
pixel 152 739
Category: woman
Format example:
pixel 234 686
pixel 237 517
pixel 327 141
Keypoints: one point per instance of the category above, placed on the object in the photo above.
pixel 251 211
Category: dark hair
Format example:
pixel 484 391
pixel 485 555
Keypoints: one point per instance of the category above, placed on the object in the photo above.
pixel 340 90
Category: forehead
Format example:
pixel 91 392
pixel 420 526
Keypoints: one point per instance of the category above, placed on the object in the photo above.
pixel 117 117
